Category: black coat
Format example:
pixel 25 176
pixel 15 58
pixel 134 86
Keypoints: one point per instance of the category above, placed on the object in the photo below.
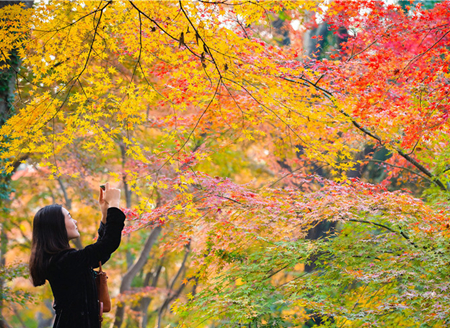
pixel 72 278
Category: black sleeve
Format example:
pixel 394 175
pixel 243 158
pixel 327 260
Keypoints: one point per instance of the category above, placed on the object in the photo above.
pixel 101 233
pixel 108 241
pixel 101 230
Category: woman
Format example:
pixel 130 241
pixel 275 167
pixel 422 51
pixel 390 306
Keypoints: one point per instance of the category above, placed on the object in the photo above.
pixel 69 271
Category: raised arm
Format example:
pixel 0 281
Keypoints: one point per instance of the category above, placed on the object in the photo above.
pixel 110 233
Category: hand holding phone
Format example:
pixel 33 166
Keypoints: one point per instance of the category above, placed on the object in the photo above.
pixel 103 203
pixel 111 195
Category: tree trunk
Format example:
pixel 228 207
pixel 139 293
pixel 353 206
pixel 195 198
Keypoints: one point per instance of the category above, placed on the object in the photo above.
pixel 171 295
pixel 127 190
pixel 4 243
pixel 7 89
pixel 45 322
pixel 282 33
pixel 68 205
pixel 315 46
pixel 133 271
pixel 145 302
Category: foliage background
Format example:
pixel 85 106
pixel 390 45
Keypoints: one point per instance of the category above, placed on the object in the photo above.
pixel 283 163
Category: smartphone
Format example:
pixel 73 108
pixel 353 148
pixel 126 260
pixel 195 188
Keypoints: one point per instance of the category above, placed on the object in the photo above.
pixel 102 186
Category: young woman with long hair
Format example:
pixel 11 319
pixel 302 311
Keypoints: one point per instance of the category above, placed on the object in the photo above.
pixel 70 271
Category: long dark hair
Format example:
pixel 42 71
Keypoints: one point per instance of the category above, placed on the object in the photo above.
pixel 49 238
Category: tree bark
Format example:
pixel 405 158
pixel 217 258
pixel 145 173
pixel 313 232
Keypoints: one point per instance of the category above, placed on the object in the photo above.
pixel 127 190
pixel 45 322
pixel 170 297
pixel 145 302
pixel 68 204
pixel 315 46
pixel 281 31
pixel 133 271
pixel 4 243
pixel 7 91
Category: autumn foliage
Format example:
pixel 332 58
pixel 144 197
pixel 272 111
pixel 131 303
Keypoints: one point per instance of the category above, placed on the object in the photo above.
pixel 237 148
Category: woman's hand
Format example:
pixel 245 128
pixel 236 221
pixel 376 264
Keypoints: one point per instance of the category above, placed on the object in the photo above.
pixel 111 196
pixel 103 205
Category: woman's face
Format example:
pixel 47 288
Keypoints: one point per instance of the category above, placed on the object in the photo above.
pixel 71 225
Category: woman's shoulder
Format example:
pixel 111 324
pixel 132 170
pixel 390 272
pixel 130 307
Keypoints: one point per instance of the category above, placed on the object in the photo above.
pixel 60 257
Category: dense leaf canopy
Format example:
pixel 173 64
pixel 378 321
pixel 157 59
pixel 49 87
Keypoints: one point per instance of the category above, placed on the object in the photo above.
pixel 186 87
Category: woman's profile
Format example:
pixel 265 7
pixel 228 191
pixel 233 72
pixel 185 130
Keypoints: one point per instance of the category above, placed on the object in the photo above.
pixel 70 271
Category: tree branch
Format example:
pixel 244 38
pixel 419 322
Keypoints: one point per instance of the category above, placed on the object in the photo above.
pixel 387 228
pixel 421 168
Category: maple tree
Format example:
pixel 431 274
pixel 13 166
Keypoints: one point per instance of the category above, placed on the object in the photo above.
pixel 188 91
